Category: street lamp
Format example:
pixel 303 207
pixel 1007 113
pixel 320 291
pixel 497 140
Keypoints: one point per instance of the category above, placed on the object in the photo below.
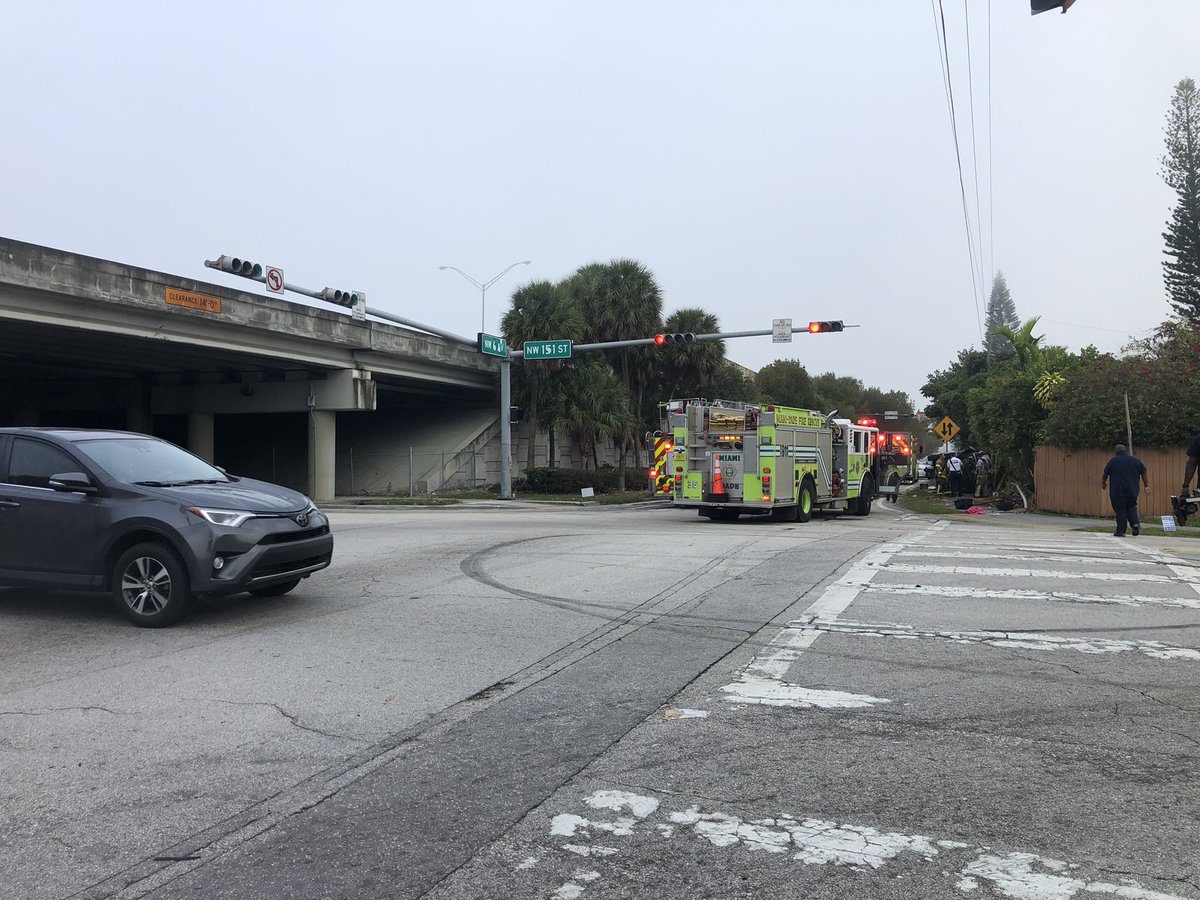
pixel 483 286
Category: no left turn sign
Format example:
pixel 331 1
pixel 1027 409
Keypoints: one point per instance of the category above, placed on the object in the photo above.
pixel 274 280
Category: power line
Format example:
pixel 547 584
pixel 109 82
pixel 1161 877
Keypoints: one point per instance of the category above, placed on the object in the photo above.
pixel 940 17
pixel 974 146
pixel 991 193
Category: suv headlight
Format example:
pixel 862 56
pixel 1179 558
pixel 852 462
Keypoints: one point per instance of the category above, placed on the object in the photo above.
pixel 230 517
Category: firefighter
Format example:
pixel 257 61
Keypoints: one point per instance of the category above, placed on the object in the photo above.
pixel 1193 454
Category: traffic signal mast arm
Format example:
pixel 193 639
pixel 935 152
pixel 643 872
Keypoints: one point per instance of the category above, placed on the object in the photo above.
pixel 254 271
pixel 654 341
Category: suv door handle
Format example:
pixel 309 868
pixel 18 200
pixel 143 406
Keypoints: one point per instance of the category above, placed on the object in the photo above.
pixel 9 503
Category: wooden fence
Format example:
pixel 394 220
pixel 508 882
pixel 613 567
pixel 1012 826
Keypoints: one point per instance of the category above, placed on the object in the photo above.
pixel 1068 481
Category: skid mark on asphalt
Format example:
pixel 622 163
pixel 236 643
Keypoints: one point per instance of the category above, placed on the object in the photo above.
pixel 1016 640
pixel 762 680
pixel 813 841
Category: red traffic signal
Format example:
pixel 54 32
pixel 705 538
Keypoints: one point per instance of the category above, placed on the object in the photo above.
pixel 676 338
pixel 822 327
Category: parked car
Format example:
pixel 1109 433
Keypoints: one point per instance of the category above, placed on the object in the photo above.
pixel 925 467
pixel 148 522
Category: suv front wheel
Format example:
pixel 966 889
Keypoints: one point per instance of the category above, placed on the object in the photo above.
pixel 150 585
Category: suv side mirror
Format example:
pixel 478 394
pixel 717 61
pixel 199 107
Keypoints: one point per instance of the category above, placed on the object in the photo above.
pixel 72 482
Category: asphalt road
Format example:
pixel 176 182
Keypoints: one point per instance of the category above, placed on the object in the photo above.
pixel 546 702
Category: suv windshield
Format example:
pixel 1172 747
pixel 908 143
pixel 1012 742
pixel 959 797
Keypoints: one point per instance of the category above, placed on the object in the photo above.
pixel 146 460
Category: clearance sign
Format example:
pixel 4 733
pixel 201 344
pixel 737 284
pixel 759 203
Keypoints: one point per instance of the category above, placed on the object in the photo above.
pixel 202 302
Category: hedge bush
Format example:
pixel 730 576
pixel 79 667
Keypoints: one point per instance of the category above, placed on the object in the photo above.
pixel 570 481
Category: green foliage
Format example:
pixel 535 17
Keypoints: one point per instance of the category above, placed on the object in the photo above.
pixel 852 399
pixel 1161 379
pixel 1026 346
pixel 1181 172
pixel 687 370
pixel 540 310
pixel 729 383
pixel 1001 312
pixel 949 390
pixel 568 481
pixel 1006 417
pixel 787 383
pixel 589 401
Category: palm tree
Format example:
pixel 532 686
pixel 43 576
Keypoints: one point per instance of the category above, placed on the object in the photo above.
pixel 621 301
pixel 690 367
pixel 1025 345
pixel 540 311
pixel 594 405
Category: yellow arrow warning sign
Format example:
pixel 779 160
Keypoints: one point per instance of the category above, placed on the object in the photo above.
pixel 946 429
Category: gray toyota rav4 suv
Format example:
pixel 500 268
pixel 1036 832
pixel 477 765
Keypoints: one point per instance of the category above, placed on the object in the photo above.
pixel 146 521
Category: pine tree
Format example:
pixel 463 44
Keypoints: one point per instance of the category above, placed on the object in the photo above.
pixel 1001 313
pixel 1181 172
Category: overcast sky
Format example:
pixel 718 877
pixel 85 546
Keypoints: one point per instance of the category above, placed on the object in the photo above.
pixel 764 159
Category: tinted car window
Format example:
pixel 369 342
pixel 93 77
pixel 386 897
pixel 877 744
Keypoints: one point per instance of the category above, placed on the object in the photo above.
pixel 134 460
pixel 32 463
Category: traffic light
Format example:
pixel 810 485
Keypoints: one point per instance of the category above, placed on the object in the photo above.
pixel 348 299
pixel 685 337
pixel 822 327
pixel 236 266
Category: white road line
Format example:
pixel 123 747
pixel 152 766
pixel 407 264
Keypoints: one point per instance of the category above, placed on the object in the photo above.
pixel 1027 573
pixel 819 842
pixel 1018 640
pixel 1025 557
pixel 1019 547
pixel 951 591
pixel 762 681
pixel 1173 563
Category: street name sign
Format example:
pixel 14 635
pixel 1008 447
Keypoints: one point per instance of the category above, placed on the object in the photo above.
pixel 946 429
pixel 781 331
pixel 492 345
pixel 547 349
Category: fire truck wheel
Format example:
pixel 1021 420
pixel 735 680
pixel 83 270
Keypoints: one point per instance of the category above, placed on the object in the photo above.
pixel 863 507
pixel 805 501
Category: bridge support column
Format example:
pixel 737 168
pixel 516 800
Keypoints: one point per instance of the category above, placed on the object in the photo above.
pixel 200 435
pixel 322 436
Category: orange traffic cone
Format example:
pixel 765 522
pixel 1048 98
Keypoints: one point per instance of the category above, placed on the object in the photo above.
pixel 718 485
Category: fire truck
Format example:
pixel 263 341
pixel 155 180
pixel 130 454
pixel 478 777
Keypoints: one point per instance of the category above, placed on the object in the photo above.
pixel 728 459
pixel 895 462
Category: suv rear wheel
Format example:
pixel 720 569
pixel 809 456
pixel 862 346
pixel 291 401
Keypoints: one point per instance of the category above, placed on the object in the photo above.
pixel 150 585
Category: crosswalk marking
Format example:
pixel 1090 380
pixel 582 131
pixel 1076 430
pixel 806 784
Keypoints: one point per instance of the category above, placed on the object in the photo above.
pixel 970 593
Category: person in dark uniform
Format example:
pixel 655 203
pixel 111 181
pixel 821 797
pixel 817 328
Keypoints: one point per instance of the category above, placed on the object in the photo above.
pixel 1121 481
pixel 1193 454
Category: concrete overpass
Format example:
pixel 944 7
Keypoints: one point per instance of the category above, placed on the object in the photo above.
pixel 259 385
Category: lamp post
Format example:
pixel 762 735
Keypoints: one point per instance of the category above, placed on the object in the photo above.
pixel 483 286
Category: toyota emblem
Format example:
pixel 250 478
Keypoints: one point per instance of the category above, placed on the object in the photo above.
pixel 302 520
